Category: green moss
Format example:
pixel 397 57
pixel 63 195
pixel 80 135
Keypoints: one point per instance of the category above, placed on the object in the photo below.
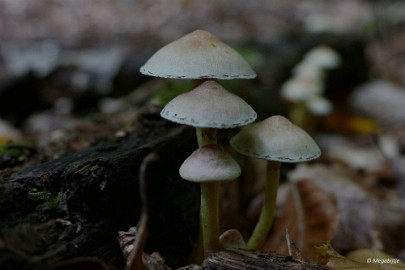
pixel 52 200
pixel 12 153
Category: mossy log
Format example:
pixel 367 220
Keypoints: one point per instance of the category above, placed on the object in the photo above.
pixel 75 205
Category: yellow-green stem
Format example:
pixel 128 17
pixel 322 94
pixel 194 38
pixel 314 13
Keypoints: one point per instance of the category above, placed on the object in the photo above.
pixel 300 115
pixel 209 209
pixel 210 217
pixel 206 136
pixel 268 211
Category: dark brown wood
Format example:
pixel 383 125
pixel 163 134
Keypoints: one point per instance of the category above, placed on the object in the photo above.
pixel 75 205
pixel 244 260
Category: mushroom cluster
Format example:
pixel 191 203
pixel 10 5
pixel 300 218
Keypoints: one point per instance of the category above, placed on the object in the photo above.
pixel 200 55
pixel 304 90
pixel 208 107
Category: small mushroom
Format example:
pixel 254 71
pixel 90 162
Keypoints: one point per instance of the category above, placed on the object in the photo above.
pixel 319 106
pixel 276 140
pixel 232 239
pixel 323 57
pixel 198 55
pixel 209 165
pixel 297 91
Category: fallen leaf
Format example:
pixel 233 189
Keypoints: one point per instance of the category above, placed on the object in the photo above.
pixel 310 216
pixel 364 220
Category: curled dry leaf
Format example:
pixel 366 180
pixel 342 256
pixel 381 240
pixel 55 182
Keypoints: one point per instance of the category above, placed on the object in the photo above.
pixel 310 216
pixel 364 220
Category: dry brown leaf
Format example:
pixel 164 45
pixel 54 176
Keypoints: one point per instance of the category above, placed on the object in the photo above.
pixel 310 216
pixel 363 155
pixel 364 220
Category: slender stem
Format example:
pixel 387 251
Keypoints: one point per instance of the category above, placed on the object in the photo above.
pixel 209 216
pixel 268 211
pixel 209 209
pixel 299 115
pixel 206 136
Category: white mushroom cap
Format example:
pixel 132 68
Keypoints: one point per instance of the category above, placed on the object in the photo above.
pixel 319 105
pixel 198 55
pixel 322 56
pixel 209 105
pixel 209 163
pixel 232 238
pixel 299 89
pixel 276 138
pixel 308 70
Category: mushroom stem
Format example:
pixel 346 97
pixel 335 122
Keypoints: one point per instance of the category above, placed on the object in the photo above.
pixel 267 214
pixel 299 115
pixel 210 216
pixel 206 136
pixel 209 209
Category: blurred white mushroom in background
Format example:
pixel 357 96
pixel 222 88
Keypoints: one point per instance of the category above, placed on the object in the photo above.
pixel 381 100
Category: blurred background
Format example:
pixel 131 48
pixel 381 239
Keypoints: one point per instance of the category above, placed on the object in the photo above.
pixel 74 56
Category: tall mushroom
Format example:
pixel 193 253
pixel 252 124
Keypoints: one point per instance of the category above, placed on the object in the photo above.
pixel 276 140
pixel 200 55
pixel 210 165
pixel 207 108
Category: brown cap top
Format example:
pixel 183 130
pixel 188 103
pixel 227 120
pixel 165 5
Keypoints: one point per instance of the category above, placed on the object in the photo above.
pixel 209 163
pixel 209 105
pixel 197 55
pixel 276 138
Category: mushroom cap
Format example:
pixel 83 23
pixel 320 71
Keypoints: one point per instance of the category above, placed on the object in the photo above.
pixel 299 89
pixel 323 56
pixel 308 70
pixel 276 138
pixel 197 55
pixel 209 105
pixel 319 105
pixel 210 163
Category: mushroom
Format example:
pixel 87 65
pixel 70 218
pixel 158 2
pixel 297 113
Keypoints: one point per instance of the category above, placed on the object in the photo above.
pixel 207 108
pixel 209 165
pixel 323 57
pixel 319 106
pixel 297 91
pixel 232 239
pixel 198 55
pixel 276 140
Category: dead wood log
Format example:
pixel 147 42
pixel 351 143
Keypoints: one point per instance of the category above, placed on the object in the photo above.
pixel 75 205
pixel 239 259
